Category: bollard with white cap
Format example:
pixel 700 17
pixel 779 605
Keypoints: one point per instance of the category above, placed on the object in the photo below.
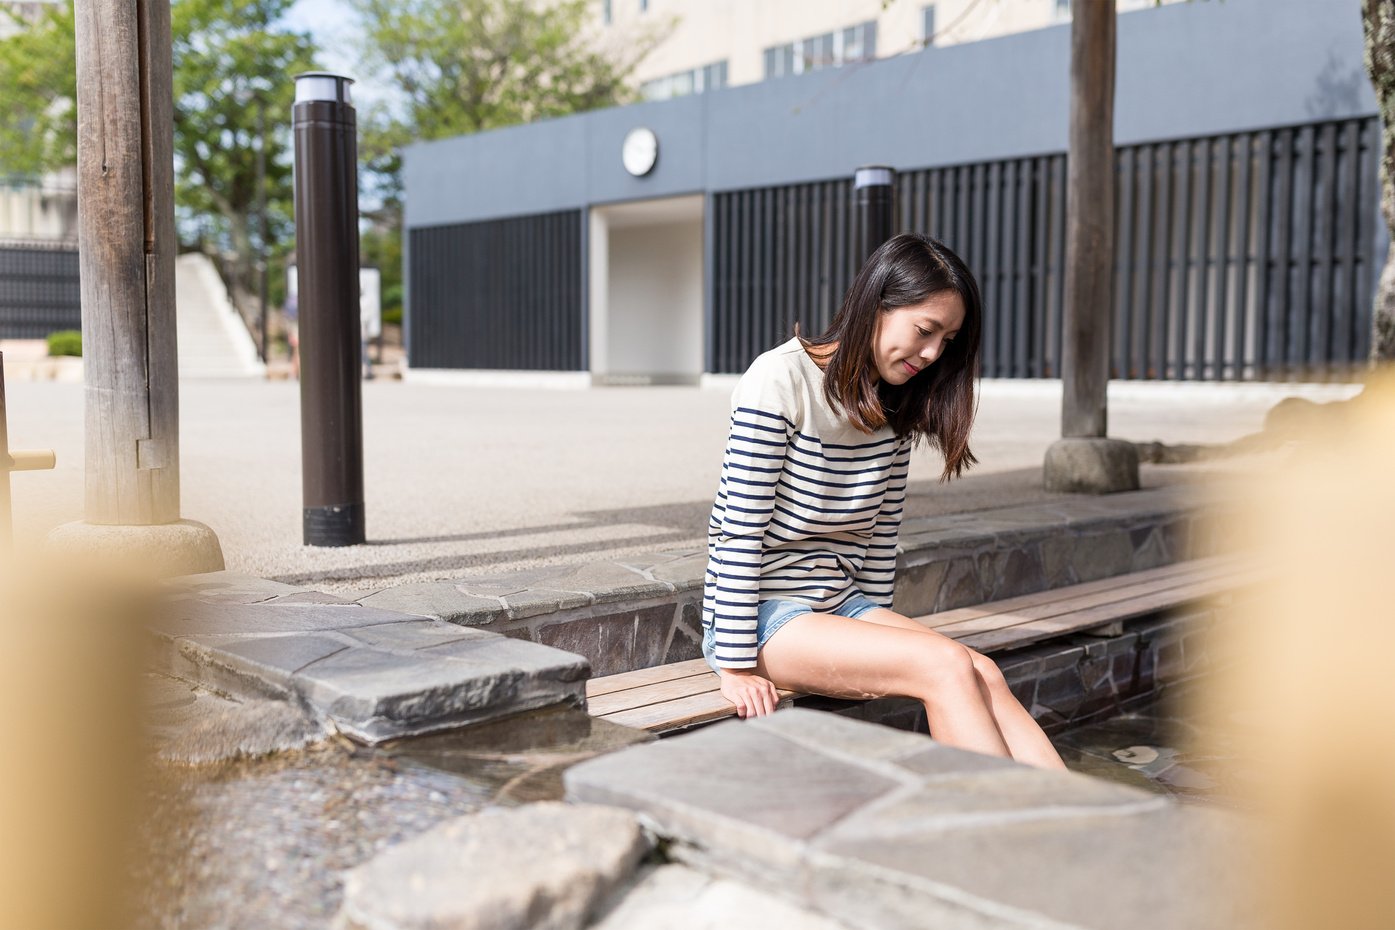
pixel 874 188
pixel 326 231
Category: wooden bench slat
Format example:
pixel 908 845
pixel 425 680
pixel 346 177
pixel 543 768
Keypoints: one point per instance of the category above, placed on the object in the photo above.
pixel 657 693
pixel 1025 634
pixel 670 715
pixel 696 698
pixel 683 694
pixel 1122 595
pixel 645 676
pixel 1112 583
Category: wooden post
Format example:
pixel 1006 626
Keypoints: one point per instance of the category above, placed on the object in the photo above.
pixel 1089 221
pixel 127 245
pixel 13 461
pixel 1084 459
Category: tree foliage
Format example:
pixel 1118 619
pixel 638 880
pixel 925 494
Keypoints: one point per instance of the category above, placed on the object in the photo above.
pixel 232 58
pixel 38 103
pixel 464 66
pixel 233 67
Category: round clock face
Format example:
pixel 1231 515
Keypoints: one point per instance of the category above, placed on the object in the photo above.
pixel 640 151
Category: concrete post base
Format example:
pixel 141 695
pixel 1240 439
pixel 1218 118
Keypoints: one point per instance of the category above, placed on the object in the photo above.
pixel 1091 465
pixel 164 550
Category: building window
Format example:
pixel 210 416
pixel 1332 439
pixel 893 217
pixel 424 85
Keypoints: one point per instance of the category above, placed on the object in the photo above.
pixel 694 81
pixel 927 25
pixel 644 6
pixel 855 43
pixel 1063 8
pixel 605 12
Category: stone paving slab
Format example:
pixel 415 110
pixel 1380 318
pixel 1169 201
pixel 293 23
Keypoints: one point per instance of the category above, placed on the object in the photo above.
pixel 198 617
pixel 886 829
pixel 443 600
pixel 675 897
pixel 227 587
pixel 545 866
pixel 374 674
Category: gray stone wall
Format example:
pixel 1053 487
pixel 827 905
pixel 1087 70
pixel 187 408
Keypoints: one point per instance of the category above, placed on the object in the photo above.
pixel 629 615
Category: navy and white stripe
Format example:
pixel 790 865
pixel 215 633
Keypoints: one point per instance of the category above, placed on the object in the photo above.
pixel 798 516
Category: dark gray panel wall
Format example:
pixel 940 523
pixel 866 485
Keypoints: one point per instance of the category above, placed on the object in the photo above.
pixel 503 294
pixel 1184 70
pixel 39 291
pixel 1237 257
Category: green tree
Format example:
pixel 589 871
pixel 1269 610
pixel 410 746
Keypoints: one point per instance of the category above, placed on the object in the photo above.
pixel 38 104
pixel 232 61
pixel 463 66
pixel 233 65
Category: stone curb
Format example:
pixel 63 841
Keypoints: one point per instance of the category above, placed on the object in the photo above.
pixel 643 612
pixel 545 866
pixel 374 674
pixel 880 828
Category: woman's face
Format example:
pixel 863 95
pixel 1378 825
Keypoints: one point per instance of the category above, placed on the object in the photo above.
pixel 907 340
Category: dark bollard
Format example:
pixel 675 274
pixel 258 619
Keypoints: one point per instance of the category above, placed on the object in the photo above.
pixel 874 187
pixel 326 229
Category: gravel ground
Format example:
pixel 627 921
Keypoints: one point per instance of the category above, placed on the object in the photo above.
pixel 471 481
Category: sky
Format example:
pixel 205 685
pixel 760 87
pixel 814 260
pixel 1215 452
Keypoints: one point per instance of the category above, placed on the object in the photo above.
pixel 331 22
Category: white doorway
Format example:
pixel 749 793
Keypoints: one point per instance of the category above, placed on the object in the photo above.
pixel 646 292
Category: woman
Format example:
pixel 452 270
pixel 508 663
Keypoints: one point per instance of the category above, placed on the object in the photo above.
pixel 802 538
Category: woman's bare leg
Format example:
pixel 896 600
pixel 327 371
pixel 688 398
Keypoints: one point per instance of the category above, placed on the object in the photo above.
pixel 824 654
pixel 1025 738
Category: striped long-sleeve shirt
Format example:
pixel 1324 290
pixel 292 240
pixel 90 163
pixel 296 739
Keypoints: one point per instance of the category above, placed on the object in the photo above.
pixel 808 507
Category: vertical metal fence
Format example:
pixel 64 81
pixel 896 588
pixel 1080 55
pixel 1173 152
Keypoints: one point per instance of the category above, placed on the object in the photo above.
pixel 1246 256
pixel 781 254
pixel 498 294
pixel 39 291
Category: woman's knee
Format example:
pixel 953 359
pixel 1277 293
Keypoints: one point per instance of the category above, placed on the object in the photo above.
pixel 943 664
pixel 987 669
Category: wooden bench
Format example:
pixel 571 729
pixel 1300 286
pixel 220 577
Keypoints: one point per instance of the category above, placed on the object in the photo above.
pixel 683 694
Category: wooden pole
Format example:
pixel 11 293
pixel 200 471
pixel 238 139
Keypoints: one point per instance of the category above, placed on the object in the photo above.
pixel 1089 221
pixel 5 526
pixel 127 247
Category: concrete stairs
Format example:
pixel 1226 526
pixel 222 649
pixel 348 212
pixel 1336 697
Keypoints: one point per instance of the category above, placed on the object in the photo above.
pixel 213 342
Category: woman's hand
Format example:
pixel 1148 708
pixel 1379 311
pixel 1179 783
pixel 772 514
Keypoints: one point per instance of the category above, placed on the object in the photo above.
pixel 753 695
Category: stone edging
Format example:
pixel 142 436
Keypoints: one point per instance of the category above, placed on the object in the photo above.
pixel 638 613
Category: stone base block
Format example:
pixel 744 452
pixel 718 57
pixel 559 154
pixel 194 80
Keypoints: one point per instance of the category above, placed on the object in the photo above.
pixel 163 550
pixel 544 866
pixel 878 828
pixel 1081 465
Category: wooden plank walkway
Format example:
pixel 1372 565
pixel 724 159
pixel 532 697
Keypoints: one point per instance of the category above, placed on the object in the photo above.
pixel 682 694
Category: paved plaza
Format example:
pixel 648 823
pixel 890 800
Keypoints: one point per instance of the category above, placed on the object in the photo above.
pixel 468 481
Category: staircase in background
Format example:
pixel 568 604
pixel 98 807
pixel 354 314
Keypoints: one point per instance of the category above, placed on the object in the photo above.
pixel 213 342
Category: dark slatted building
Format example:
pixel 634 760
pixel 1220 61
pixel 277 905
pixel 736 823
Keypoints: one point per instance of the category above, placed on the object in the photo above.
pixel 661 242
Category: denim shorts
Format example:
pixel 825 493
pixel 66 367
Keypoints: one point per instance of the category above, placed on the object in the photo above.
pixel 775 613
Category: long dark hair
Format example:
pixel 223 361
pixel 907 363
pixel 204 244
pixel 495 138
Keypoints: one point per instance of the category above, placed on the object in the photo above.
pixel 937 405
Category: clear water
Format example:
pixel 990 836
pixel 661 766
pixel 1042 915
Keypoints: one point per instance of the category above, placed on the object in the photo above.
pixel 263 842
pixel 1168 745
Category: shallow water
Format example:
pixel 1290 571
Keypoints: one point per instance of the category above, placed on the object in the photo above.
pixel 1167 745
pixel 263 842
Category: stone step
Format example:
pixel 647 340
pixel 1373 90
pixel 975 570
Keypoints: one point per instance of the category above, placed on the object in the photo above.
pixel 372 674
pixel 887 830
pixel 213 341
